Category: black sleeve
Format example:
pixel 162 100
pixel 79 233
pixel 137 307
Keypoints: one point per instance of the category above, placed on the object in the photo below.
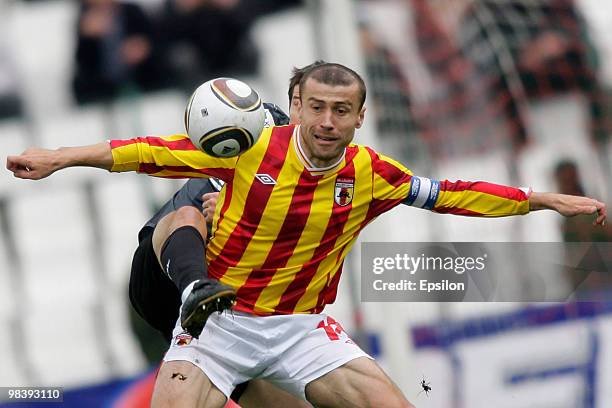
pixel 191 193
pixel 188 195
pixel 278 116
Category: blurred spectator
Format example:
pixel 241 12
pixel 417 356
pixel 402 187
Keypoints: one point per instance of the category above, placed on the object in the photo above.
pixel 10 102
pixel 459 107
pixel 588 272
pixel 208 38
pixel 391 96
pixel 487 60
pixel 115 48
pixel 553 52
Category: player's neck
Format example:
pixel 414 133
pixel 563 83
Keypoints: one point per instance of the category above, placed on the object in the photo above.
pixel 311 164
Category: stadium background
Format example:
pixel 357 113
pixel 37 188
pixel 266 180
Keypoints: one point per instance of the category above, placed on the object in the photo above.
pixel 469 89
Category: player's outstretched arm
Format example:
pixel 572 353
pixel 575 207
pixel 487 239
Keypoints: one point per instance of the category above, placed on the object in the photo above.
pixel 36 163
pixel 165 156
pixel 569 205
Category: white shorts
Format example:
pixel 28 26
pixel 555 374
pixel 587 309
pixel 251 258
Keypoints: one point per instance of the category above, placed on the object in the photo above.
pixel 287 350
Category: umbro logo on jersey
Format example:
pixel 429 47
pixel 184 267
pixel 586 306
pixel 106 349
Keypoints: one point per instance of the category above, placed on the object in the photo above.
pixel 265 179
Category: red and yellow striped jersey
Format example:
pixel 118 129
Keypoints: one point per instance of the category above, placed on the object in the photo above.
pixel 282 228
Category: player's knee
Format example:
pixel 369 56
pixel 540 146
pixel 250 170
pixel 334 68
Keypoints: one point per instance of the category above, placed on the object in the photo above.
pixel 183 217
pixel 188 216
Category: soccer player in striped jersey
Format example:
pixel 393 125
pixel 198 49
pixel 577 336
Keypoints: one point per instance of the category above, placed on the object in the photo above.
pixel 292 208
pixel 174 239
pixel 156 297
pixel 154 294
pixel 179 226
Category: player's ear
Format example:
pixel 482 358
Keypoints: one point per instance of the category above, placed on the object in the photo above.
pixel 360 118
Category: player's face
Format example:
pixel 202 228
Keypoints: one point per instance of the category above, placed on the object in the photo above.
pixel 329 116
pixel 294 109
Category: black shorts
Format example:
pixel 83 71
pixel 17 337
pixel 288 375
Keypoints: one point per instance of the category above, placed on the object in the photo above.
pixel 152 294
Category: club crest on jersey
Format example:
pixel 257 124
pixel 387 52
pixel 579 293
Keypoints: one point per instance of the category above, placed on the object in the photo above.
pixel 343 193
pixel 183 339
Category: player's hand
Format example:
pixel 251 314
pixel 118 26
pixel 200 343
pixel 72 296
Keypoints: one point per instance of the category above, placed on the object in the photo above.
pixel 569 205
pixel 208 206
pixel 34 163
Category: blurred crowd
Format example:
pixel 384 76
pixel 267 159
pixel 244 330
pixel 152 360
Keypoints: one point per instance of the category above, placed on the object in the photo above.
pixel 469 69
pixel 459 81
pixel 123 46
pixel 120 46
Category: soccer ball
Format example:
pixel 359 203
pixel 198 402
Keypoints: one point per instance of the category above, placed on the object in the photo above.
pixel 224 117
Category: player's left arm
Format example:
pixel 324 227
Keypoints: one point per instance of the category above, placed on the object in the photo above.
pixel 483 199
pixel 569 205
pixel 393 181
pixel 479 198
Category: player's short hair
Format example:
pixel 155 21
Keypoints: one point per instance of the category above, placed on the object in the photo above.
pixel 334 74
pixel 297 74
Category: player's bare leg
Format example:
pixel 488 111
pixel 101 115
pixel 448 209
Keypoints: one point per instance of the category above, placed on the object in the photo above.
pixel 260 393
pixel 358 383
pixel 179 244
pixel 182 384
pixel 184 216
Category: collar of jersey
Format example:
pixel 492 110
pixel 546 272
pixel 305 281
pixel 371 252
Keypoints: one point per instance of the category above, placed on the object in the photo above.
pixel 299 150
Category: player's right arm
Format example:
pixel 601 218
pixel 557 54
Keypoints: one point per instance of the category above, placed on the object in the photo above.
pixel 172 156
pixel 168 156
pixel 36 163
